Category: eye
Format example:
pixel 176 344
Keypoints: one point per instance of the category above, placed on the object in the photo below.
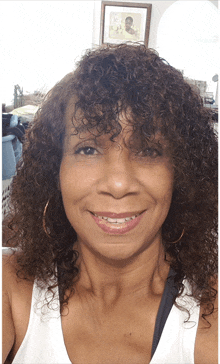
pixel 86 151
pixel 151 152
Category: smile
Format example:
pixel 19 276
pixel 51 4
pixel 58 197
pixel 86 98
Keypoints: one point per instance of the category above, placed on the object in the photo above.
pixel 119 225
pixel 117 221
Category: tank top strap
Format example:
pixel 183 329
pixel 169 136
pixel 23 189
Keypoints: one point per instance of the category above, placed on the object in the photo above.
pixel 43 342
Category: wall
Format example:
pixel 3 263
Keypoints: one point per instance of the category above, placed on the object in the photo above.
pixel 187 42
pixel 158 9
pixel 42 40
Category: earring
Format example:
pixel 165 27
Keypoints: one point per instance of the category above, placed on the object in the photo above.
pixel 176 241
pixel 46 230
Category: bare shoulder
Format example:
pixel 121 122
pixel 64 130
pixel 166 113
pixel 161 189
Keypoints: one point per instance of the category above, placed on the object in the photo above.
pixel 8 281
pixel 206 349
pixel 16 300
pixel 12 283
pixel 9 269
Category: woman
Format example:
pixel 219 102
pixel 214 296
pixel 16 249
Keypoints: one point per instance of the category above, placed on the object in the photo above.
pixel 114 220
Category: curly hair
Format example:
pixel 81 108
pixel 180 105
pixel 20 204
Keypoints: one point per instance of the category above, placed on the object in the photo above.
pixel 107 81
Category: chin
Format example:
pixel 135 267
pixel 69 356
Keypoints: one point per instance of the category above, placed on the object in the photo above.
pixel 118 253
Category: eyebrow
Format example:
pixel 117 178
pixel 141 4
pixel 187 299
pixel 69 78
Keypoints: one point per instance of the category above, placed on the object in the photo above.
pixel 79 137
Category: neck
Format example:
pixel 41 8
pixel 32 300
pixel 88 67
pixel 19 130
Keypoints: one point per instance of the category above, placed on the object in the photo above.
pixel 111 280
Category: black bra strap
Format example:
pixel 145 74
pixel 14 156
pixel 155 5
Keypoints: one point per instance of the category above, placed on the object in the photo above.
pixel 168 298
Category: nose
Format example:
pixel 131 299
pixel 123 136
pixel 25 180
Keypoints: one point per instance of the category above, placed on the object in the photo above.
pixel 118 177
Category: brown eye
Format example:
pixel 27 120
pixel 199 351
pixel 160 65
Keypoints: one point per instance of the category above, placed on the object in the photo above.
pixel 151 152
pixel 86 151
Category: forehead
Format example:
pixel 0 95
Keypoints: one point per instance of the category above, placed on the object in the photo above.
pixel 75 119
pixel 70 111
pixel 126 128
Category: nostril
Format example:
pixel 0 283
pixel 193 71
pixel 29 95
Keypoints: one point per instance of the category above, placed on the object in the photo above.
pixel 118 184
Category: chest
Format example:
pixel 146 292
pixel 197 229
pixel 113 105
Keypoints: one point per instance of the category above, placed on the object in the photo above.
pixel 119 336
pixel 90 334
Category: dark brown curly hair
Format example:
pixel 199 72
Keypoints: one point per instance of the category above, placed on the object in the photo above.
pixel 107 81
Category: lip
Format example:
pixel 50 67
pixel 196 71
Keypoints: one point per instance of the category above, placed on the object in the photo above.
pixel 119 229
pixel 113 215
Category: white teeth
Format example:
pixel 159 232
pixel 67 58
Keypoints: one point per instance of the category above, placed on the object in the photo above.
pixel 111 220
pixel 117 221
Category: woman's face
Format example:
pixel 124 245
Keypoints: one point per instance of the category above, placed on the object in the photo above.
pixel 115 200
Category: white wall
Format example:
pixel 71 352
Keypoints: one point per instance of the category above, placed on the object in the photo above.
pixel 188 38
pixel 41 40
pixel 158 8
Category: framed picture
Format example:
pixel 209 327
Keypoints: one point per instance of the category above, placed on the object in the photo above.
pixel 124 21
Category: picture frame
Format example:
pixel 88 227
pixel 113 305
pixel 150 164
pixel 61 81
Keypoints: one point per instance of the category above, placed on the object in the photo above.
pixel 124 21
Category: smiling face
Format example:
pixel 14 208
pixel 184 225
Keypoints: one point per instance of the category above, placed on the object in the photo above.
pixel 115 199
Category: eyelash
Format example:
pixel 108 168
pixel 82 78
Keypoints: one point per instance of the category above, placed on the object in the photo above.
pixel 148 152
pixel 151 152
pixel 84 149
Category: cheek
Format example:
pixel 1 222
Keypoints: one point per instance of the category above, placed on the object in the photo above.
pixel 164 188
pixel 165 192
pixel 72 190
pixel 161 191
pixel 159 184
pixel 75 180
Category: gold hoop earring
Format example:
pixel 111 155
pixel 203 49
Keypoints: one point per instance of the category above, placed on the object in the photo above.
pixel 176 241
pixel 44 219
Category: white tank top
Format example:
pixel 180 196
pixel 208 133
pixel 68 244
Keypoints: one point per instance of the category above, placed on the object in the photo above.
pixel 44 342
